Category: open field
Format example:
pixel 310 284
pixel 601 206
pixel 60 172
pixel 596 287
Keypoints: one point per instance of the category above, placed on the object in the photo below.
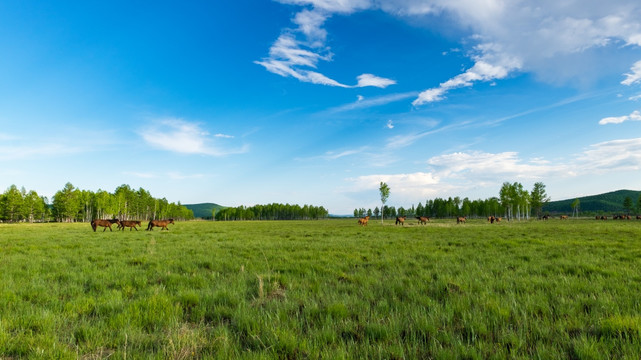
pixel 322 289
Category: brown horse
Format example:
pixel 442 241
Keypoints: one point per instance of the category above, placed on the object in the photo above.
pixel 460 219
pixel 160 223
pixel 130 224
pixel 363 221
pixel 400 220
pixel 104 223
pixel 564 217
pixel 422 219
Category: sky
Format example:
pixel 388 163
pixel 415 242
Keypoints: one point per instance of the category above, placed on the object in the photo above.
pixel 318 101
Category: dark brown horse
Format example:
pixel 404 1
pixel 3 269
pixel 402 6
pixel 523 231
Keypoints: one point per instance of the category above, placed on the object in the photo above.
pixel 363 221
pixel 422 220
pixel 401 220
pixel 160 223
pixel 104 223
pixel 131 224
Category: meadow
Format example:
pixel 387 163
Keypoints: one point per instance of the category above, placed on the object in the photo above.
pixel 322 289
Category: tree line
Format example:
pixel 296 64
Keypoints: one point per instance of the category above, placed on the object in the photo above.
pixel 272 212
pixel 513 202
pixel 71 204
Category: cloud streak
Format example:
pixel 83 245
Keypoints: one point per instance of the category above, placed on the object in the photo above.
pixel 177 135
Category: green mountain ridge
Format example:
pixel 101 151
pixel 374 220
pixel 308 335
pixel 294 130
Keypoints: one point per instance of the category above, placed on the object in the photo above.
pixel 611 202
pixel 204 210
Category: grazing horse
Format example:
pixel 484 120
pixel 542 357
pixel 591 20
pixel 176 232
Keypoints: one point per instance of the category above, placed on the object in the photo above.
pixel 564 217
pixel 638 217
pixel 498 219
pixel 363 221
pixel 130 224
pixel 422 219
pixel 461 219
pixel 160 223
pixel 104 223
pixel 545 217
pixel 401 220
pixel 491 219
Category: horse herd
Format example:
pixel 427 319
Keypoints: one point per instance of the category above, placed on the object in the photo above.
pixel 131 224
pixel 422 220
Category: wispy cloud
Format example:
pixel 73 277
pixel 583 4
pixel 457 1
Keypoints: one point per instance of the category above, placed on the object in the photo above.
pixel 291 56
pixel 609 156
pixel 184 137
pixel 492 64
pixel 140 175
pixel 460 172
pixel 634 116
pixel 505 37
pixel 363 103
pixel 334 155
pixel 19 151
pixel 634 76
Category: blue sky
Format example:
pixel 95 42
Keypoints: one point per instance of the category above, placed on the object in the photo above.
pixel 318 101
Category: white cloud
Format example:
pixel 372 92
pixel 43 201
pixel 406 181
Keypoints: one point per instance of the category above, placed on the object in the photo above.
pixel 405 186
pixel 487 166
pixel 635 97
pixel 609 156
pixel 184 137
pixel 289 56
pixel 372 80
pixel 634 116
pixel 463 173
pixel 545 37
pixel 634 76
pixel 390 124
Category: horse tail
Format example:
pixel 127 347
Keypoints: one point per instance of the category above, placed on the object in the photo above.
pixel 93 225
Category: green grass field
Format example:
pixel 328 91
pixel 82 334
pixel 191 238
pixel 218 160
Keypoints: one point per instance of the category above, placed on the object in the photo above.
pixel 322 289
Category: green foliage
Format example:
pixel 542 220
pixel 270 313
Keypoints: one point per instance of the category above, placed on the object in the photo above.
pixel 273 212
pixel 322 289
pixel 18 205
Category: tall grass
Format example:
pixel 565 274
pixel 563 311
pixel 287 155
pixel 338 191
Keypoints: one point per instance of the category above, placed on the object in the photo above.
pixel 322 289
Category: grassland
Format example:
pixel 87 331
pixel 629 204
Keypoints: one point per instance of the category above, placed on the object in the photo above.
pixel 322 289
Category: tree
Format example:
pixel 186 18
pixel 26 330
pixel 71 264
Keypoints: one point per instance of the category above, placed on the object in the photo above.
pixel 538 198
pixel 639 204
pixel 12 204
pixel 384 190
pixel 575 207
pixel 376 211
pixel 627 204
pixel 65 203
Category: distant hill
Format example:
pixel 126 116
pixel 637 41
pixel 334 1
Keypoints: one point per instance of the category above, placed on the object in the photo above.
pixel 611 202
pixel 203 210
